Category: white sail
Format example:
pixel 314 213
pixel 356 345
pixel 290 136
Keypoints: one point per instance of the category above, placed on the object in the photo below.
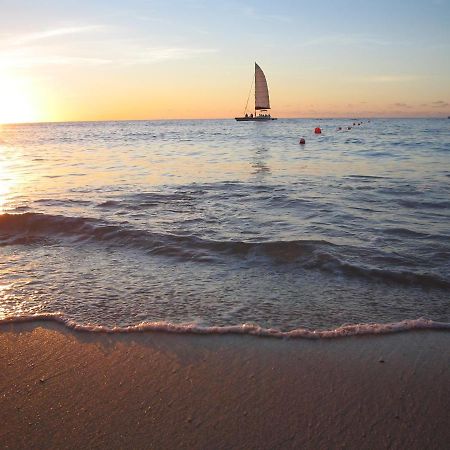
pixel 261 90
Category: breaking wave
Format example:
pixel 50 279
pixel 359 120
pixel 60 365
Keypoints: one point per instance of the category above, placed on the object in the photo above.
pixel 243 329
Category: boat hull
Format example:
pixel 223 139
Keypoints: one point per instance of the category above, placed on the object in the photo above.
pixel 255 119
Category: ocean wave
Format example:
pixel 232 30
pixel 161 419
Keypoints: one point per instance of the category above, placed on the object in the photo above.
pixel 32 228
pixel 60 202
pixel 361 329
pixel 443 204
pixel 366 177
pixel 405 232
pixel 333 264
pixel 143 200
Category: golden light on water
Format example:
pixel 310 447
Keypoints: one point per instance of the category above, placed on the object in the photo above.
pixel 16 103
pixel 9 181
pixel 5 186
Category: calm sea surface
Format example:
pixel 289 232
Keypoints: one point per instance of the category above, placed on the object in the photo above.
pixel 218 223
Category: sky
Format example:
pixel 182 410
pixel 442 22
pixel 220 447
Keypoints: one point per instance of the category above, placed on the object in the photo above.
pixel 114 60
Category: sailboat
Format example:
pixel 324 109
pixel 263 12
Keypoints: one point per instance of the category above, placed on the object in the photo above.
pixel 262 103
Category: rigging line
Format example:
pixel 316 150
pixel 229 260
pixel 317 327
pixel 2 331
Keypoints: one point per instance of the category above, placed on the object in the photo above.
pixel 249 92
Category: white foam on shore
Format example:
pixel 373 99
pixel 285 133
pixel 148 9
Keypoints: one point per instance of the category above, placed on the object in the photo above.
pixel 248 329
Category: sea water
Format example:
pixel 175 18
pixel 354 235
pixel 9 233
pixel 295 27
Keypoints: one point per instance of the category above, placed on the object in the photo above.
pixel 218 226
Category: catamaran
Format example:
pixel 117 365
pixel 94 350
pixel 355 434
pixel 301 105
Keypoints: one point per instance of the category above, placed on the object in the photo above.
pixel 262 103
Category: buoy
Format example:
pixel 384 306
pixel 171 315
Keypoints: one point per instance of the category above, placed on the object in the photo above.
pixel 354 123
pixel 349 128
pixel 339 128
pixel 302 141
pixel 317 130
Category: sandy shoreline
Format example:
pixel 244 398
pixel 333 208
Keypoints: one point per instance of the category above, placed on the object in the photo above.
pixel 66 389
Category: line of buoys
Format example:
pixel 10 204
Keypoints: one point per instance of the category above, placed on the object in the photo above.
pixel 318 130
pixel 350 127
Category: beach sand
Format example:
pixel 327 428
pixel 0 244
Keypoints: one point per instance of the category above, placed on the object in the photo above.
pixel 65 389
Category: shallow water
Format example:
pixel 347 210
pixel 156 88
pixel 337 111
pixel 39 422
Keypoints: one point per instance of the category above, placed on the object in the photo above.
pixel 218 223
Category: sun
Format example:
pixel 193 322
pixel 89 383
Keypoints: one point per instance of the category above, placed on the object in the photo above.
pixel 16 105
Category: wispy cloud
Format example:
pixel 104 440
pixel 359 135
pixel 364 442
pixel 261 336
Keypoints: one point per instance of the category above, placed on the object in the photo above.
pixel 49 47
pixel 255 14
pixel 402 105
pixel 25 58
pixel 440 104
pixel 387 78
pixel 277 18
pixel 347 40
pixel 151 55
pixel 52 33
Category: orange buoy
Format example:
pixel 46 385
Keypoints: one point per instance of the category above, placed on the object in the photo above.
pixel 318 130
pixel 302 141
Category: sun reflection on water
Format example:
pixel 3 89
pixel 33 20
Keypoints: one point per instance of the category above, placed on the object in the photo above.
pixel 6 184
pixel 4 295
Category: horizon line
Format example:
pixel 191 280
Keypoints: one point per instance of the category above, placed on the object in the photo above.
pixel 220 118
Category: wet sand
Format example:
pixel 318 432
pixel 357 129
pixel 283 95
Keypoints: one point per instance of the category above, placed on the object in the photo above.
pixel 67 389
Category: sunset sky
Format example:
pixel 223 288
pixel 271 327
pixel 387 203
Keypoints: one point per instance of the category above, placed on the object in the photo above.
pixel 108 59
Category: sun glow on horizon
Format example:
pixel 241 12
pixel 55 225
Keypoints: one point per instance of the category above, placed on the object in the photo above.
pixel 16 101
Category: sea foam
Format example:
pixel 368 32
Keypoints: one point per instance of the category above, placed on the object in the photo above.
pixel 242 329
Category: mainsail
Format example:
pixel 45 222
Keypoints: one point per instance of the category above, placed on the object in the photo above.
pixel 261 90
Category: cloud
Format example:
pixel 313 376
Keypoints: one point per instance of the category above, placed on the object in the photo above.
pixel 278 18
pixel 440 104
pixel 435 104
pixel 402 105
pixel 51 48
pixel 53 33
pixel 25 58
pixel 28 50
pixel 151 55
pixel 360 40
pixel 255 14
pixel 388 78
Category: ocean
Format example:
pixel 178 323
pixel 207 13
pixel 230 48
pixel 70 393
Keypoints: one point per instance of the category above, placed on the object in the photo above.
pixel 213 226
